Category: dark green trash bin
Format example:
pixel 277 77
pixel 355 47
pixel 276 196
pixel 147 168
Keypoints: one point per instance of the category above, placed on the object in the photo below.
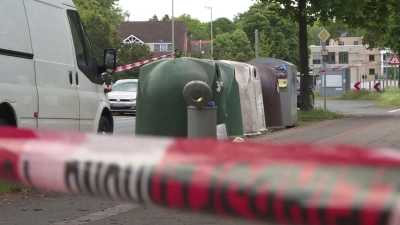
pixel 234 123
pixel 161 109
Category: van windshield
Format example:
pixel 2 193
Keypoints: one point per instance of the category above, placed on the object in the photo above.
pixel 127 86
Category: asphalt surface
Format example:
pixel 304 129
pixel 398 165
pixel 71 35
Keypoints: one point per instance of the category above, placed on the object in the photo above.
pixel 124 125
pixel 364 125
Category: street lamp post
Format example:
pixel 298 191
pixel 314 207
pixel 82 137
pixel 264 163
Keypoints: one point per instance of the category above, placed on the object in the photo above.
pixel 212 52
pixel 173 27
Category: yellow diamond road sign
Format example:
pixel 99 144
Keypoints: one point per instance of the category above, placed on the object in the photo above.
pixel 324 35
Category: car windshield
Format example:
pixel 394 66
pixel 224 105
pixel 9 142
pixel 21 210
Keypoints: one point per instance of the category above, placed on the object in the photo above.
pixel 127 86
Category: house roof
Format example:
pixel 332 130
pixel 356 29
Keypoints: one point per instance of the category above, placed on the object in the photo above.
pixel 154 31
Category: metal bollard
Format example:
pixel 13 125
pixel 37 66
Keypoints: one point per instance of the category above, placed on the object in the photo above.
pixel 202 120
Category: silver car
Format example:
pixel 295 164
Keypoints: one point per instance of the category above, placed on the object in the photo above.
pixel 123 96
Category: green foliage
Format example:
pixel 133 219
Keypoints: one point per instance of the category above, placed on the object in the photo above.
pixel 312 31
pixel 316 115
pixel 278 35
pixel 154 18
pixel 195 27
pixel 6 187
pixel 222 25
pixel 166 18
pixel 130 53
pixel 100 19
pixel 388 98
pixel 233 46
pixel 360 95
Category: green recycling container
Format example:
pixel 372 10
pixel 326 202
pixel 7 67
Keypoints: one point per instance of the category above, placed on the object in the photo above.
pixel 234 123
pixel 161 109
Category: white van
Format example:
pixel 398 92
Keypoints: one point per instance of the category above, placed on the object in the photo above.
pixel 50 78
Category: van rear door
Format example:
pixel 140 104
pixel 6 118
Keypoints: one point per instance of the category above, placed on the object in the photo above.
pixel 54 65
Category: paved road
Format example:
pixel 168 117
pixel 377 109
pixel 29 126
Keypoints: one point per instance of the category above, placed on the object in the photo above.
pixel 353 107
pixel 371 127
pixel 124 125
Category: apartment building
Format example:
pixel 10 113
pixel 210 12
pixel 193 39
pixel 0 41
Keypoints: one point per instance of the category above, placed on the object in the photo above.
pixel 349 52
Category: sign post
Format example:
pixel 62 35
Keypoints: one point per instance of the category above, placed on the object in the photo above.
pixel 393 62
pixel 324 35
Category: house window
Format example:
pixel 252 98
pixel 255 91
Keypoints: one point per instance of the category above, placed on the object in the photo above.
pixel 371 71
pixel 343 57
pixel 157 47
pixel 331 58
pixel 384 57
pixel 316 61
pixel 371 58
pixel 341 42
pixel 355 42
pixel 162 47
pixel 167 47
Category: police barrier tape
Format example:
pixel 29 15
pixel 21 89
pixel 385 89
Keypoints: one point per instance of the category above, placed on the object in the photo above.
pixel 141 63
pixel 294 183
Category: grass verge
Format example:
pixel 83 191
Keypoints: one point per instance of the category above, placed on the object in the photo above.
pixel 316 115
pixel 8 188
pixel 388 98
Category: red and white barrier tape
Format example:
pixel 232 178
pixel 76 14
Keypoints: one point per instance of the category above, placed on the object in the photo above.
pixel 347 66
pixel 141 63
pixel 293 183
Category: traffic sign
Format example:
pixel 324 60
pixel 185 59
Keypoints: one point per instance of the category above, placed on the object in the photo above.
pixel 356 86
pixel 324 35
pixel 376 86
pixel 394 60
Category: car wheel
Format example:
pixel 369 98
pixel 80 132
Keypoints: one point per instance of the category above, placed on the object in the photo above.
pixel 105 126
pixel 3 122
pixel 312 100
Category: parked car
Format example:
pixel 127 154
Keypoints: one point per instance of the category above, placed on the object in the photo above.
pixel 50 77
pixel 123 96
pixel 312 100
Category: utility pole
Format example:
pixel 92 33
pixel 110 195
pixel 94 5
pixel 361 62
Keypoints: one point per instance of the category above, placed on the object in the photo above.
pixel 257 44
pixel 173 28
pixel 323 36
pixel 212 51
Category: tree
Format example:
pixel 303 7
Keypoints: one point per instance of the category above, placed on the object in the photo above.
pixel 195 27
pixel 154 18
pixel 130 53
pixel 278 35
pixel 233 46
pixel 355 13
pixel 313 31
pixel 222 25
pixel 100 19
pixel 166 18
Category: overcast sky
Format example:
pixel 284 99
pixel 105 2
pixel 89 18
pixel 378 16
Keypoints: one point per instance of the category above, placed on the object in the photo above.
pixel 145 9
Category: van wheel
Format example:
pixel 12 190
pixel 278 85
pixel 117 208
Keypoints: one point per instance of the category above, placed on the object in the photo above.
pixel 104 125
pixel 3 122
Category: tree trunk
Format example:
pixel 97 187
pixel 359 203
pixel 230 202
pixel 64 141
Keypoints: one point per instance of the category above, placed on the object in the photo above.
pixel 304 70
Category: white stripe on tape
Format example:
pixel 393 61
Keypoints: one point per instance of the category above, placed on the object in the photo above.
pixel 96 167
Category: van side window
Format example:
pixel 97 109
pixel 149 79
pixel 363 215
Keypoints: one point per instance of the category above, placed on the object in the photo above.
pixel 84 55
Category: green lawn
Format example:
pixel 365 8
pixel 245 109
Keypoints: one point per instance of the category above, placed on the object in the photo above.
pixel 389 98
pixel 316 115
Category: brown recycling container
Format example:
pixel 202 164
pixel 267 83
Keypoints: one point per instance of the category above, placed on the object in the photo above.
pixel 271 96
